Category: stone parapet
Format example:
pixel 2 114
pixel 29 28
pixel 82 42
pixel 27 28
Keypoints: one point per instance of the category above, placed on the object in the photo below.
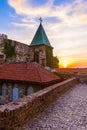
pixel 15 114
pixel 82 77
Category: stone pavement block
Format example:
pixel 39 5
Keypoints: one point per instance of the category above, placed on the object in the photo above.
pixel 69 112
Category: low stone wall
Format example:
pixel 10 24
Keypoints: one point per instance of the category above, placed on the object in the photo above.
pixel 15 114
pixel 82 77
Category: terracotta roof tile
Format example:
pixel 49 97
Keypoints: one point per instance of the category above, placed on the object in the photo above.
pixel 30 72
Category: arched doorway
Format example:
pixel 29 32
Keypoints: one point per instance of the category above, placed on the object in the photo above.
pixel 30 90
pixel 15 92
pixel 4 89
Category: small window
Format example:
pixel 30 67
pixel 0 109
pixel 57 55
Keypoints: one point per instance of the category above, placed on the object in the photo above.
pixel 15 92
pixel 1 56
pixel 36 57
pixel 4 89
pixel 30 90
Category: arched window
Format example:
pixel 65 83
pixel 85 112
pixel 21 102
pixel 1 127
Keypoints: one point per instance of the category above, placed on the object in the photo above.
pixel 15 92
pixel 30 90
pixel 36 57
pixel 4 89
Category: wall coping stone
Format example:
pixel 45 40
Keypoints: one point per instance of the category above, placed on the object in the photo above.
pixel 28 99
pixel 15 114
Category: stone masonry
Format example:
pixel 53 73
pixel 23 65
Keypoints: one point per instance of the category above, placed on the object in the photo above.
pixel 69 112
pixel 22 90
pixel 15 114
pixel 41 54
pixel 21 49
pixel 2 55
pixel 26 53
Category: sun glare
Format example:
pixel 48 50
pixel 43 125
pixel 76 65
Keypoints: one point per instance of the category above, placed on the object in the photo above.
pixel 65 65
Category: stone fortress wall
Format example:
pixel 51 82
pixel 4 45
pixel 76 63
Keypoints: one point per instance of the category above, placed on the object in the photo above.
pixel 21 50
pixel 24 52
pixel 2 37
pixel 15 114
pixel 2 56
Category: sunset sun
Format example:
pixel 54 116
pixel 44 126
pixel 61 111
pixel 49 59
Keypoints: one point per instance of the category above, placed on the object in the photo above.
pixel 65 65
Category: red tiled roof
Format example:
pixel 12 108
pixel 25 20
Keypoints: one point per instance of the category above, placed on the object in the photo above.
pixel 30 72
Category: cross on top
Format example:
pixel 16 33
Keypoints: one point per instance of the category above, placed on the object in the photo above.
pixel 40 19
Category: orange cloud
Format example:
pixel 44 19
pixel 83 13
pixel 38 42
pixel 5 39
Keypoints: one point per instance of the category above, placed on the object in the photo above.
pixel 68 36
pixel 73 63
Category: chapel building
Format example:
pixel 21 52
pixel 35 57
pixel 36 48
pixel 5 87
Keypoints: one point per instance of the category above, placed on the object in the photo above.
pixel 40 49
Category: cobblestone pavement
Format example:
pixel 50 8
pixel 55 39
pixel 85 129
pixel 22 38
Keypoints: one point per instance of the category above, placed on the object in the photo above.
pixel 69 112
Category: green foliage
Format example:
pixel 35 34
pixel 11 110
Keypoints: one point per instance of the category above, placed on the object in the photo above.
pixel 64 75
pixel 49 57
pixel 55 62
pixel 36 57
pixel 9 49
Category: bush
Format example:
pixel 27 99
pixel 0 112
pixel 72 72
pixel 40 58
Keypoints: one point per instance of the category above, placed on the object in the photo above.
pixel 9 49
pixel 64 75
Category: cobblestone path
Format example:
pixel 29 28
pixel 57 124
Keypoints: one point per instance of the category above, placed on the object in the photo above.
pixel 69 112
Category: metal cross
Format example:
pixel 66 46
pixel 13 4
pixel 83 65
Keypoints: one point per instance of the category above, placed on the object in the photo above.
pixel 40 19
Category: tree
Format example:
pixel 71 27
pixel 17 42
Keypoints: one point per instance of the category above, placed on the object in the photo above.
pixel 55 62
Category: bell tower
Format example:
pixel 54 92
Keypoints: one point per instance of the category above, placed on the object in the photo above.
pixel 40 48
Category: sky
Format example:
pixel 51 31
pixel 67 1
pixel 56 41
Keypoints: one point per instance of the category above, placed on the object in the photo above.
pixel 64 21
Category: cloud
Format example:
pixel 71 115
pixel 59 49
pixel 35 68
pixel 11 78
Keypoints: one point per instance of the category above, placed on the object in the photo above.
pixel 25 25
pixel 71 13
pixel 23 7
pixel 68 34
